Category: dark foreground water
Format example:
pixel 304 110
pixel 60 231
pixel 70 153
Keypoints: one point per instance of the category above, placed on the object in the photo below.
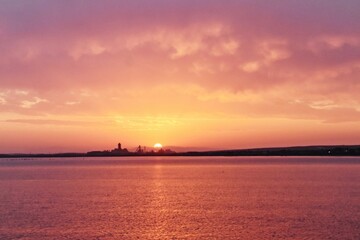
pixel 180 198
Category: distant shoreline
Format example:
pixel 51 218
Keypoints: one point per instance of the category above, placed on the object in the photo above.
pixel 327 150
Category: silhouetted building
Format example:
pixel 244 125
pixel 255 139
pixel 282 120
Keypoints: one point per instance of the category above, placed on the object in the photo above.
pixel 119 150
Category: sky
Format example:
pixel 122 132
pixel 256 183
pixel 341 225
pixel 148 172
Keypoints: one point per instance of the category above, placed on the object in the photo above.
pixel 85 75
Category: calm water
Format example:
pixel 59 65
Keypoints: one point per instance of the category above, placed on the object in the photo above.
pixel 180 198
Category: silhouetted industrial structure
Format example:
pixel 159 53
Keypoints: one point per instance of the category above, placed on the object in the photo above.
pixel 140 150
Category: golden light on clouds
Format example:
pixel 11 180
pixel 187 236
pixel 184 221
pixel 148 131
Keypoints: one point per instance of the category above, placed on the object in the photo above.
pixel 231 75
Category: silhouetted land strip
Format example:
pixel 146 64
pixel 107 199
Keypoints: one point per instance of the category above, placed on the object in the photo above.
pixel 343 150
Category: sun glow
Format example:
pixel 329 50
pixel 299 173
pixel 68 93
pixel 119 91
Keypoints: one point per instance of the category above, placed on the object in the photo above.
pixel 158 146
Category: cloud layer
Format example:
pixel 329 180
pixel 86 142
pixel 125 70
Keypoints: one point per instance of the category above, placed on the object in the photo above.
pixel 190 62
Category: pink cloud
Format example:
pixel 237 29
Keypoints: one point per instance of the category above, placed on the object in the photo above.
pixel 256 59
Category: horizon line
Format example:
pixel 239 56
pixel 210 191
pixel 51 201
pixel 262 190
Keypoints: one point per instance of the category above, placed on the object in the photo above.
pixel 209 150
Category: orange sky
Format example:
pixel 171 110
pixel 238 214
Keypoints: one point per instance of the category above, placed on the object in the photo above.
pixel 84 75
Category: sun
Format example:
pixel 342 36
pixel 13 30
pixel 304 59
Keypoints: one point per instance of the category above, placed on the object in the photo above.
pixel 157 146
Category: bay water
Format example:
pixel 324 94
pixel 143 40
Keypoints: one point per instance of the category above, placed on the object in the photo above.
pixel 180 198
